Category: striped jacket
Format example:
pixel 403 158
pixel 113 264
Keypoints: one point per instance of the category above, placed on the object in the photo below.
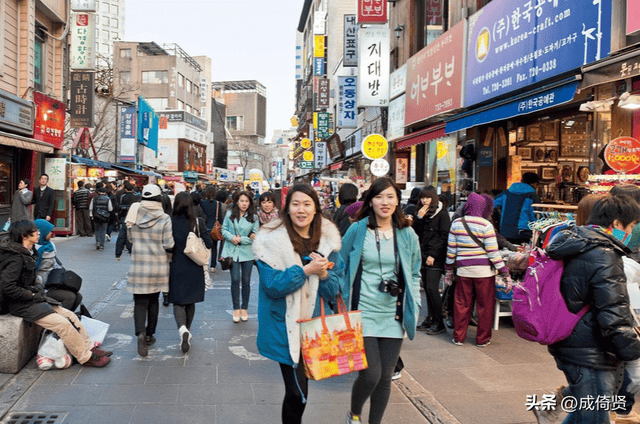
pixel 463 251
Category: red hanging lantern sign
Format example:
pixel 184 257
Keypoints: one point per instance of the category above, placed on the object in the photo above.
pixel 623 154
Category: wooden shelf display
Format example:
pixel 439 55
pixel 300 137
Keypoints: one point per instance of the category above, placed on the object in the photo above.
pixel 573 137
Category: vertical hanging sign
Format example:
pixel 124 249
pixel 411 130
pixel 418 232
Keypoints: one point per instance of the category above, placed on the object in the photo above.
pixel 323 93
pixel 83 34
pixel 373 58
pixel 128 131
pixel 347 106
pixel 82 92
pixel 372 11
pixel 350 53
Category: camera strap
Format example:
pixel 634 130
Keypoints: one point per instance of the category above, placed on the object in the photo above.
pixel 395 251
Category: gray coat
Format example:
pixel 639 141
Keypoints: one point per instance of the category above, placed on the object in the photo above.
pixel 152 239
pixel 20 205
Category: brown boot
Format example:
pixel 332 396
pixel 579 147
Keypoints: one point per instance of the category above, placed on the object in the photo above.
pixel 97 361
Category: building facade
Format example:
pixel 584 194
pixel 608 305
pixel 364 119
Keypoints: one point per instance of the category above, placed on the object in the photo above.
pixel 110 19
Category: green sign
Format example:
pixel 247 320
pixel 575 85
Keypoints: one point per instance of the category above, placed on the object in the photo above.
pixel 323 125
pixel 306 164
pixel 190 176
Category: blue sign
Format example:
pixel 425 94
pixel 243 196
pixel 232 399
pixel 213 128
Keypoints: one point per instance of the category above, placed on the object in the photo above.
pixel 535 102
pixel 147 125
pixel 515 43
pixel 347 106
pixel 128 131
pixel 485 156
pixel 318 66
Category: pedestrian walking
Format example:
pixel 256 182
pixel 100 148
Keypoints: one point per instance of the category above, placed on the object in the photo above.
pixel 214 212
pixel 268 211
pixel 21 202
pixel 100 210
pixel 431 224
pixel 151 236
pixel 80 202
pixel 347 195
pixel 127 198
pixel 186 278
pixel 239 229
pixel 293 254
pixel 43 199
pixel 26 299
pixel 382 257
pixel 472 249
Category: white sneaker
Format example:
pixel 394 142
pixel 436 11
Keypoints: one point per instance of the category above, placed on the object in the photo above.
pixel 108 237
pixel 185 339
pixel 396 375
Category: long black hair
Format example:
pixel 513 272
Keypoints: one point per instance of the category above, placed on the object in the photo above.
pixel 251 210
pixel 381 184
pixel 183 206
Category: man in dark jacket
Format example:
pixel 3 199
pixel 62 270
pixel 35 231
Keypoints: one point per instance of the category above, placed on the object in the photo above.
pixel 80 201
pixel 125 201
pixel 593 276
pixel 43 199
pixel 26 299
pixel 100 209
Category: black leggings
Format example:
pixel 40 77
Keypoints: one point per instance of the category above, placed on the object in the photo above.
pixel 434 301
pixel 184 314
pixel 375 381
pixel 145 313
pixel 296 388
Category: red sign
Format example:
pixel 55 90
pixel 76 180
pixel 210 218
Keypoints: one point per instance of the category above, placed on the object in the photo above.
pixel 372 11
pixel 49 123
pixel 623 154
pixel 434 77
pixel 633 16
pixel 162 122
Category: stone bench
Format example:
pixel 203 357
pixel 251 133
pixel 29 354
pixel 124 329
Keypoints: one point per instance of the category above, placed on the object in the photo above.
pixel 18 343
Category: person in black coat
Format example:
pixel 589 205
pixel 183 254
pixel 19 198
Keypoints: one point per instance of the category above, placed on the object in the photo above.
pixel 186 278
pixel 213 211
pixel 593 276
pixel 347 196
pixel 431 223
pixel 43 199
pixel 411 208
pixel 27 299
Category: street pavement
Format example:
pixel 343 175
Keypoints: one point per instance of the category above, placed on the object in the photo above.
pixel 223 379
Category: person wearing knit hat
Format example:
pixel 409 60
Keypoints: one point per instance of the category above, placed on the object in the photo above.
pixel 353 209
pixel 473 250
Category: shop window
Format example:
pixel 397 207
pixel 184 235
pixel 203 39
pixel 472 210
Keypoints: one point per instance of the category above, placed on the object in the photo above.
pixel 180 80
pixel 125 53
pixel 235 123
pixel 435 19
pixel 38 59
pixel 155 77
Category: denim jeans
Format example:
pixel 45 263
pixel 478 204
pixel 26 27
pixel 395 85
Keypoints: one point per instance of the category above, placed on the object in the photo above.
pixel 246 268
pixel 588 383
pixel 101 229
pixel 122 240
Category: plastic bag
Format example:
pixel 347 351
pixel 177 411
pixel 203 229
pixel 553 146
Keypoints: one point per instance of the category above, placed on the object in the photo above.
pixel 52 351
pixel 97 330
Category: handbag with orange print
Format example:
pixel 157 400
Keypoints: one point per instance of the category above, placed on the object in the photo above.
pixel 332 345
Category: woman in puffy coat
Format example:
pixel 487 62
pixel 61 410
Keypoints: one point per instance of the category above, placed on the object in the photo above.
pixel 431 224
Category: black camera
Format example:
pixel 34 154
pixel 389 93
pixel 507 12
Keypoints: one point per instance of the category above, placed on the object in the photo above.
pixel 389 286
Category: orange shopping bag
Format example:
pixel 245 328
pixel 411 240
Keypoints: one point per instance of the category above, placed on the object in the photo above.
pixel 332 344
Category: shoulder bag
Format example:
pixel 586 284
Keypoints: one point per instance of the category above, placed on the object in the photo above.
pixel 195 248
pixel 216 231
pixel 225 263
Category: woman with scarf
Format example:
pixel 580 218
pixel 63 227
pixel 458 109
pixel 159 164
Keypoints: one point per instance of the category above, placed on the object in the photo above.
pixel 473 250
pixel 268 211
pixel 294 279
pixel 47 261
pixel 432 224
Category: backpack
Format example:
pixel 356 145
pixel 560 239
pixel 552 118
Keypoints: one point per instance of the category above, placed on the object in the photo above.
pixel 513 204
pixel 540 313
pixel 100 209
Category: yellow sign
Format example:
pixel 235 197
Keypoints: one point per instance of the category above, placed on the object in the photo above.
pixel 318 50
pixel 294 121
pixel 482 45
pixel 305 143
pixel 308 156
pixel 442 149
pixel 375 147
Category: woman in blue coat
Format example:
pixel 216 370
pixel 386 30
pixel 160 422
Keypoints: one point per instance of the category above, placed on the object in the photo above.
pixel 186 278
pixel 239 229
pixel 293 256
pixel 382 258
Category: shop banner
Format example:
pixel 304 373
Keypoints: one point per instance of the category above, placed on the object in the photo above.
pixel 373 64
pixel 147 125
pixel 321 154
pixel 402 170
pixel 318 66
pixel 395 126
pixel 50 115
pixel 56 169
pixel 128 131
pixel 323 125
pixel 347 106
pixel 350 53
pixel 82 96
pixel 319 21
pixel 83 36
pixel 398 82
pixel 515 43
pixel 298 55
pixel 372 11
pixel 318 46
pixel 323 93
pixel 633 17
pixel 335 148
pixel 434 76
pixel 623 154
pixel 16 114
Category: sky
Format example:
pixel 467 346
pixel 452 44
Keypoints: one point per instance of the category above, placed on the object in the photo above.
pixel 245 39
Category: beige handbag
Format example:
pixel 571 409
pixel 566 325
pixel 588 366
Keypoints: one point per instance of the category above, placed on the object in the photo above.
pixel 195 248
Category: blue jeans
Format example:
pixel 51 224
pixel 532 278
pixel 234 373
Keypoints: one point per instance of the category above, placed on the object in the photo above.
pixel 101 229
pixel 122 240
pixel 246 268
pixel 588 383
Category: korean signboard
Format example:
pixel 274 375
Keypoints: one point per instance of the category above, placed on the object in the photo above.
pixel 623 154
pixel 49 125
pixel 319 20
pixel 147 124
pixel 16 114
pixel 395 126
pixel 56 169
pixel 83 5
pixel 633 17
pixel 323 125
pixel 350 53
pixel 318 46
pixel 515 43
pixel 128 130
pixel 82 95
pixel 83 34
pixel 434 76
pixel 373 58
pixel 335 148
pixel 321 154
pixel 347 106
pixel 318 66
pixel 372 11
pixel 298 55
pixel 323 93
pixel 398 82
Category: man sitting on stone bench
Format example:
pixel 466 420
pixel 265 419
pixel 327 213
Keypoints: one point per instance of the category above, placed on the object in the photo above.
pixel 26 299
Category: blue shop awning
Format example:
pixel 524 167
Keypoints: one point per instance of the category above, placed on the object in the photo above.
pixel 136 171
pixel 91 162
pixel 534 101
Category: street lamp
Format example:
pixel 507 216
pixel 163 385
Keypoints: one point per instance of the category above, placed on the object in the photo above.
pixel 399 30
